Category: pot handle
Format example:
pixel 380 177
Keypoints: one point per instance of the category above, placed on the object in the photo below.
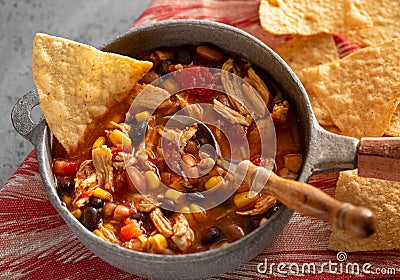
pixel 21 115
pixel 332 152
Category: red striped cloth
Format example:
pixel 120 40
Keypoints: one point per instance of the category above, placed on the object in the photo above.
pixel 36 243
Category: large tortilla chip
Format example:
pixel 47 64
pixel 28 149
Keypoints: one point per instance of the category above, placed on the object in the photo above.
pixel 320 112
pixel 394 126
pixel 374 35
pixel 385 15
pixel 383 198
pixel 361 91
pixel 306 51
pixel 78 84
pixel 307 17
pixel 383 12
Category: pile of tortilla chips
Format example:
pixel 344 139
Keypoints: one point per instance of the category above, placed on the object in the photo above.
pixel 357 95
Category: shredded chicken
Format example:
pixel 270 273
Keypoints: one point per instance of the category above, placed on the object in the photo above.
pixel 85 181
pixel 232 85
pixel 161 223
pixel 231 115
pixel 192 110
pixel 102 161
pixel 258 84
pixel 152 97
pixel 280 112
pixel 264 203
pixel 137 244
pixel 107 234
pixel 123 160
pixel 183 235
pixel 142 203
pixel 142 156
pixel 255 103
pixel 179 137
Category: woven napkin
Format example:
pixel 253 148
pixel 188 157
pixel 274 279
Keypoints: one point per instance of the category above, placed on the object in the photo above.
pixel 35 243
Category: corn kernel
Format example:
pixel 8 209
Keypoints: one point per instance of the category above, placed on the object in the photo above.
pixel 103 194
pixel 198 212
pixel 186 210
pixel 99 234
pixel 67 199
pixel 143 240
pixel 174 195
pixel 109 226
pixel 213 182
pixel 142 116
pixel 170 85
pixel 77 213
pixel 158 242
pixel 118 137
pixel 224 244
pixel 99 142
pixel 243 199
pixel 152 179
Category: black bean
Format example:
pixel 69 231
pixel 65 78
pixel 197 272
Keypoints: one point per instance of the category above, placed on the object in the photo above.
pixel 139 216
pixel 211 235
pixel 167 207
pixel 182 56
pixel 96 202
pixel 254 224
pixel 137 132
pixel 163 67
pixel 271 211
pixel 90 218
pixel 66 185
pixel 195 196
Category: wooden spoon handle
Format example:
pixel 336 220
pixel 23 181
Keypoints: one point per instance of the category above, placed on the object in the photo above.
pixel 379 158
pixel 311 201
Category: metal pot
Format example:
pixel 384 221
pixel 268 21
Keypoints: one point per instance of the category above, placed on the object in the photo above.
pixel 324 151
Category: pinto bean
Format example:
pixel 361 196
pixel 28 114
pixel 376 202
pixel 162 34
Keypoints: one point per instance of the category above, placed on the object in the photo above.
pixel 135 178
pixel 209 53
pixel 121 212
pixel 234 232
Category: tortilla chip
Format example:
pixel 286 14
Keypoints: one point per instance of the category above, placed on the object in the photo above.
pixel 320 112
pixel 385 15
pixel 361 91
pixel 308 17
pixel 394 126
pixel 383 198
pixel 383 12
pixel 373 35
pixel 78 84
pixel 306 51
pixel 332 129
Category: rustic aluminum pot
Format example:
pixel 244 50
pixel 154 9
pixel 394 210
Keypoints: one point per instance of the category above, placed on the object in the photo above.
pixel 323 152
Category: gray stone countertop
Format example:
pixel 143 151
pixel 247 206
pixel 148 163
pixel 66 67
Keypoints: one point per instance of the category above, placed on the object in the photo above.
pixel 93 22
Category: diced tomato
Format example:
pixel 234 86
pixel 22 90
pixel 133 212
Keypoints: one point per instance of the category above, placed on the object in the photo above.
pixel 64 168
pixel 256 160
pixel 197 79
pixel 130 230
